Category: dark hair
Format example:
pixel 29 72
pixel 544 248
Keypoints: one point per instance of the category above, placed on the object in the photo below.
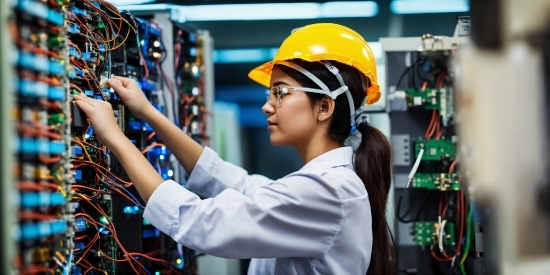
pixel 373 157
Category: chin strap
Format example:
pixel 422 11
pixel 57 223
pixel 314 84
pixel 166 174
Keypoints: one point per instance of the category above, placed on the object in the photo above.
pixel 357 116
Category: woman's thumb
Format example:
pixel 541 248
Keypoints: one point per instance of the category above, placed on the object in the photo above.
pixel 115 84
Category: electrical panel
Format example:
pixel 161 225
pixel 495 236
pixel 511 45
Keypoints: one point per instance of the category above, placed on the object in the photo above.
pixel 435 224
pixel 190 83
pixel 72 209
pixel 40 138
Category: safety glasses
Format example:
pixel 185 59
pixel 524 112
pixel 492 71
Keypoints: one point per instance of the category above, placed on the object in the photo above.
pixel 275 94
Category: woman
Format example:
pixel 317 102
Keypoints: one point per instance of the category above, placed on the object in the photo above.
pixel 326 218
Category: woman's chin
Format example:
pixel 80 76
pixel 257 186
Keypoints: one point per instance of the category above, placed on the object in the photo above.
pixel 277 141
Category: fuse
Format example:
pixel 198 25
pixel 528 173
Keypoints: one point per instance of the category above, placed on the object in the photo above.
pixel 78 174
pixel 79 224
pixel 56 93
pixel 76 151
pixel 42 173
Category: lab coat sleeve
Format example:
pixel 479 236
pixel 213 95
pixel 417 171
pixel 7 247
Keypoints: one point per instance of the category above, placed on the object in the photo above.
pixel 211 175
pixel 292 217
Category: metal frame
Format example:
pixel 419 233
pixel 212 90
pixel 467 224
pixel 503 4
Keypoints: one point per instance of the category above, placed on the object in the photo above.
pixel 207 50
pixel 7 100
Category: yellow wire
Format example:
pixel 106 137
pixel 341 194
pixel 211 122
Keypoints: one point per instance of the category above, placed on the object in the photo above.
pixel 129 25
pixel 60 256
pixel 83 147
pixel 122 43
pixel 62 191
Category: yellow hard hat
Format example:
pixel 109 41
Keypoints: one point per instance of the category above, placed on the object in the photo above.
pixel 325 41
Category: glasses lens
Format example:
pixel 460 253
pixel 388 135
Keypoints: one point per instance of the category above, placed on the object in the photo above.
pixel 273 96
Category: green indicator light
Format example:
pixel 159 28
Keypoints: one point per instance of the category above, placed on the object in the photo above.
pixel 103 220
pixel 55 119
pixel 56 41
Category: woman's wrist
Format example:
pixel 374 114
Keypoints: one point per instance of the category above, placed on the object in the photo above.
pixel 148 113
pixel 114 139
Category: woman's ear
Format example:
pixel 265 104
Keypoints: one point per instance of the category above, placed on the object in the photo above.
pixel 326 108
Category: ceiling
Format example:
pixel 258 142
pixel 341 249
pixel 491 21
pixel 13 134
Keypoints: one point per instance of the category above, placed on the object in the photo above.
pixel 271 33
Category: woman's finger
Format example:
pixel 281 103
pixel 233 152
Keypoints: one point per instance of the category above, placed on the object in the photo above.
pixel 82 97
pixel 85 106
pixel 126 82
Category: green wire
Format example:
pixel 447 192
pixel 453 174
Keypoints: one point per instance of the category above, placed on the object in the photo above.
pixel 469 225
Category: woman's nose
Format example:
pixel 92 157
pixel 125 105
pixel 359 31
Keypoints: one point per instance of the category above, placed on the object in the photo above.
pixel 268 109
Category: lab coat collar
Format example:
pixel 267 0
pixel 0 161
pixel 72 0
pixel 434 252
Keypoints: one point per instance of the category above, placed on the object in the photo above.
pixel 342 156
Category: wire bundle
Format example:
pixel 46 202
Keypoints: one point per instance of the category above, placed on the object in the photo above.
pixel 99 30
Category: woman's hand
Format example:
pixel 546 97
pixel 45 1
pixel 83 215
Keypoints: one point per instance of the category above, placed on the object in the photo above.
pixel 100 114
pixel 101 117
pixel 132 96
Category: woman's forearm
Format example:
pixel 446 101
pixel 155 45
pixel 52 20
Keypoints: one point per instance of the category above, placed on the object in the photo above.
pixel 142 174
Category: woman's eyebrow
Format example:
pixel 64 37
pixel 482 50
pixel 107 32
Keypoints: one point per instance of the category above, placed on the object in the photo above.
pixel 280 83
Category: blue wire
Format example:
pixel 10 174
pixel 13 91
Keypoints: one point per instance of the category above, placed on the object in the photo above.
pixel 147 271
pixel 126 191
pixel 67 269
pixel 132 196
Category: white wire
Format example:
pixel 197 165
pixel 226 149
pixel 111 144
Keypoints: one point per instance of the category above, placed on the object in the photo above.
pixel 59 262
pixel 441 230
pixel 415 167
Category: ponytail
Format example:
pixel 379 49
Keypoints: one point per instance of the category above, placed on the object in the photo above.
pixel 373 166
pixel 372 158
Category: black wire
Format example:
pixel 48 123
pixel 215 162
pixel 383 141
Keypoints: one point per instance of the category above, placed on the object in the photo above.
pixel 399 206
pixel 401 78
pixel 405 73
pixel 412 76
pixel 417 216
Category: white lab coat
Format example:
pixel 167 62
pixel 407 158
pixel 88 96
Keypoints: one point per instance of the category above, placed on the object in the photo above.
pixel 313 221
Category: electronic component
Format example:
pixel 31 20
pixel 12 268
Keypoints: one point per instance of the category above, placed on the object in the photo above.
pixel 436 149
pixel 440 99
pixel 40 139
pixel 74 202
pixel 432 197
pixel 434 181
pixel 188 76
pixel 428 233
pixel 78 117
